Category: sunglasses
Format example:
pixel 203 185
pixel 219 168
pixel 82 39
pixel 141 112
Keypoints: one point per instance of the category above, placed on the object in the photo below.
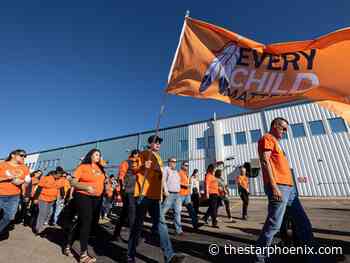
pixel 23 155
pixel 186 165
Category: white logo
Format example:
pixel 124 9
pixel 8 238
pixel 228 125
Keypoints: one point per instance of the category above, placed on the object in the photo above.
pixel 221 68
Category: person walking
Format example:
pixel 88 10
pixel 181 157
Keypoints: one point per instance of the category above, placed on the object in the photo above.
pixel 13 173
pixel 89 183
pixel 171 193
pixel 280 191
pixel 127 177
pixel 212 194
pixel 223 193
pixel 195 196
pixel 185 194
pixel 243 190
pixel 49 187
pixel 149 190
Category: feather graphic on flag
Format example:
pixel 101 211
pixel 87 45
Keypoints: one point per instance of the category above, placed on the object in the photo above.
pixel 221 68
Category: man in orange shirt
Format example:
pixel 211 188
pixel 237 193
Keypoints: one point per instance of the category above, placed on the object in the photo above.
pixel 185 194
pixel 13 172
pixel 149 191
pixel 279 189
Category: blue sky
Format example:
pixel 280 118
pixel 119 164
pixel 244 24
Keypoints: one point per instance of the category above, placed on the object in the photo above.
pixel 76 71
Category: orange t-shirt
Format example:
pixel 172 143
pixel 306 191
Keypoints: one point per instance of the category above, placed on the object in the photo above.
pixel 153 183
pixel 279 163
pixel 50 188
pixel 20 171
pixel 212 184
pixel 90 175
pixel 184 189
pixel 124 167
pixel 242 180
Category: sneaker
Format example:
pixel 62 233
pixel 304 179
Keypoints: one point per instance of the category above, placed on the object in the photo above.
pixel 197 226
pixel 178 258
pixel 215 225
pixel 131 260
pixel 4 235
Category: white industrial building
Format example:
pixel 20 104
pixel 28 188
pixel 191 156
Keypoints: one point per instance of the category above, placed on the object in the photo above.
pixel 317 146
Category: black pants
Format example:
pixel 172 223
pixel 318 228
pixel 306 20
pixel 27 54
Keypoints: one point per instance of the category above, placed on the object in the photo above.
pixel 88 208
pixel 212 209
pixel 226 202
pixel 128 212
pixel 195 202
pixel 245 199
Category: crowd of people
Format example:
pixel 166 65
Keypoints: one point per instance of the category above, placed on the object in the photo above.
pixel 144 184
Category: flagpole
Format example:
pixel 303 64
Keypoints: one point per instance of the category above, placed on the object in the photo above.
pixel 161 112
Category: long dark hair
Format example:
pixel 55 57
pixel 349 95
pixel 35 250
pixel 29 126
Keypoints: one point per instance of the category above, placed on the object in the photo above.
pixel 210 168
pixel 88 159
pixel 18 151
pixel 36 171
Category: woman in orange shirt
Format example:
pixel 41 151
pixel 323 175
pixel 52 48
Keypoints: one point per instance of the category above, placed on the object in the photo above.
pixel 89 184
pixel 12 174
pixel 212 193
pixel 46 194
pixel 243 190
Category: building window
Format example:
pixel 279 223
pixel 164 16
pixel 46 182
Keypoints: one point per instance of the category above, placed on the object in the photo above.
pixel 317 128
pixel 241 138
pixel 184 145
pixel 298 130
pixel 227 139
pixel 337 125
pixel 211 142
pixel 255 135
pixel 200 143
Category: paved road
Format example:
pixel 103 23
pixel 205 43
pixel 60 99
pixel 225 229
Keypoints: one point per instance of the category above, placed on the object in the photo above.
pixel 330 219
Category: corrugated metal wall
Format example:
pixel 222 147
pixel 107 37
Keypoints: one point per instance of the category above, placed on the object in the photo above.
pixel 200 159
pixel 324 160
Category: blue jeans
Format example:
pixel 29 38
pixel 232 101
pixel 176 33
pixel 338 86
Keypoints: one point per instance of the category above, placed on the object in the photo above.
pixel 58 209
pixel 276 211
pixel 186 200
pixel 9 204
pixel 173 201
pixel 142 207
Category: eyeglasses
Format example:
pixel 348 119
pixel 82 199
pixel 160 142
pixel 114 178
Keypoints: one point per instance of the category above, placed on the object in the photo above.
pixel 282 127
pixel 23 155
pixel 186 165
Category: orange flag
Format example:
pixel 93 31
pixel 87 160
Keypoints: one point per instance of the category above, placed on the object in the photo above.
pixel 214 63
